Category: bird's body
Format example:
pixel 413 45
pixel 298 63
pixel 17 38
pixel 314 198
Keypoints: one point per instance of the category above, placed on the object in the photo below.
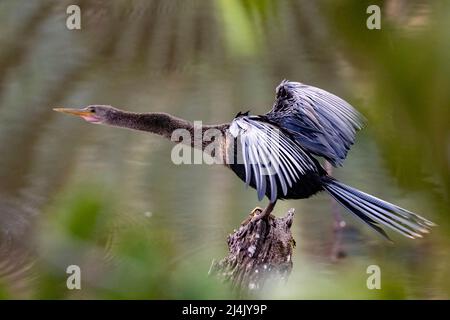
pixel 275 153
pixel 308 183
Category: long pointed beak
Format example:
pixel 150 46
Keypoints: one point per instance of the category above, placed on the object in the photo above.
pixel 76 112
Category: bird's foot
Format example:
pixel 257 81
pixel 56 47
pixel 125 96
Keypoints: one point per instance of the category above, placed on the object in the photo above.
pixel 263 214
pixel 255 212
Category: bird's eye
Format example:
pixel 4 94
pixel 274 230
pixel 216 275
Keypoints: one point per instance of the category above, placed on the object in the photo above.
pixel 91 110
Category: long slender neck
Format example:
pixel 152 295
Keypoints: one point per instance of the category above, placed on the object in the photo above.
pixel 162 124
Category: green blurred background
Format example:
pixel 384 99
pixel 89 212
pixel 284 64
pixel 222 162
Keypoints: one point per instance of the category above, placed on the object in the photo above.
pixel 112 202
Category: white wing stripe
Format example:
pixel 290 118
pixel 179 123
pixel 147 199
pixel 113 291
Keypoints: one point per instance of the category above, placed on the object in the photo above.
pixel 266 151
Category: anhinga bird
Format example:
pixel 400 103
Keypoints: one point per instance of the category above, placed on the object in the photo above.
pixel 278 149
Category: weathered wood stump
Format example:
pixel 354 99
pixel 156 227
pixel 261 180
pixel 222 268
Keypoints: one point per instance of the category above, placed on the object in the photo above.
pixel 258 251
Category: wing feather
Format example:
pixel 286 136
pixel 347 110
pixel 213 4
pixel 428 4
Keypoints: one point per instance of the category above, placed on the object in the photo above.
pixel 272 160
pixel 320 122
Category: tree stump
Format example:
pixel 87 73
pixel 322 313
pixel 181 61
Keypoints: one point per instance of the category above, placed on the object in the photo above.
pixel 258 251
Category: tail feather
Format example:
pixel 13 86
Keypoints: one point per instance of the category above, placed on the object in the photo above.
pixel 374 211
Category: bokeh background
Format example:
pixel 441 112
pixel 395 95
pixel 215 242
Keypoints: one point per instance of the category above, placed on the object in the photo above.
pixel 111 200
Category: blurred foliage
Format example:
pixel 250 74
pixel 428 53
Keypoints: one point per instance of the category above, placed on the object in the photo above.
pixel 117 261
pixel 140 227
pixel 407 83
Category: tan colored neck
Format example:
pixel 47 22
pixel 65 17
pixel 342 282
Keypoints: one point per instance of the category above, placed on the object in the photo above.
pixel 168 126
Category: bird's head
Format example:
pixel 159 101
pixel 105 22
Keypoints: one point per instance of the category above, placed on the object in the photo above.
pixel 99 114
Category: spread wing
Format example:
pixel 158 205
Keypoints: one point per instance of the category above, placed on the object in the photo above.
pixel 319 121
pixel 272 160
